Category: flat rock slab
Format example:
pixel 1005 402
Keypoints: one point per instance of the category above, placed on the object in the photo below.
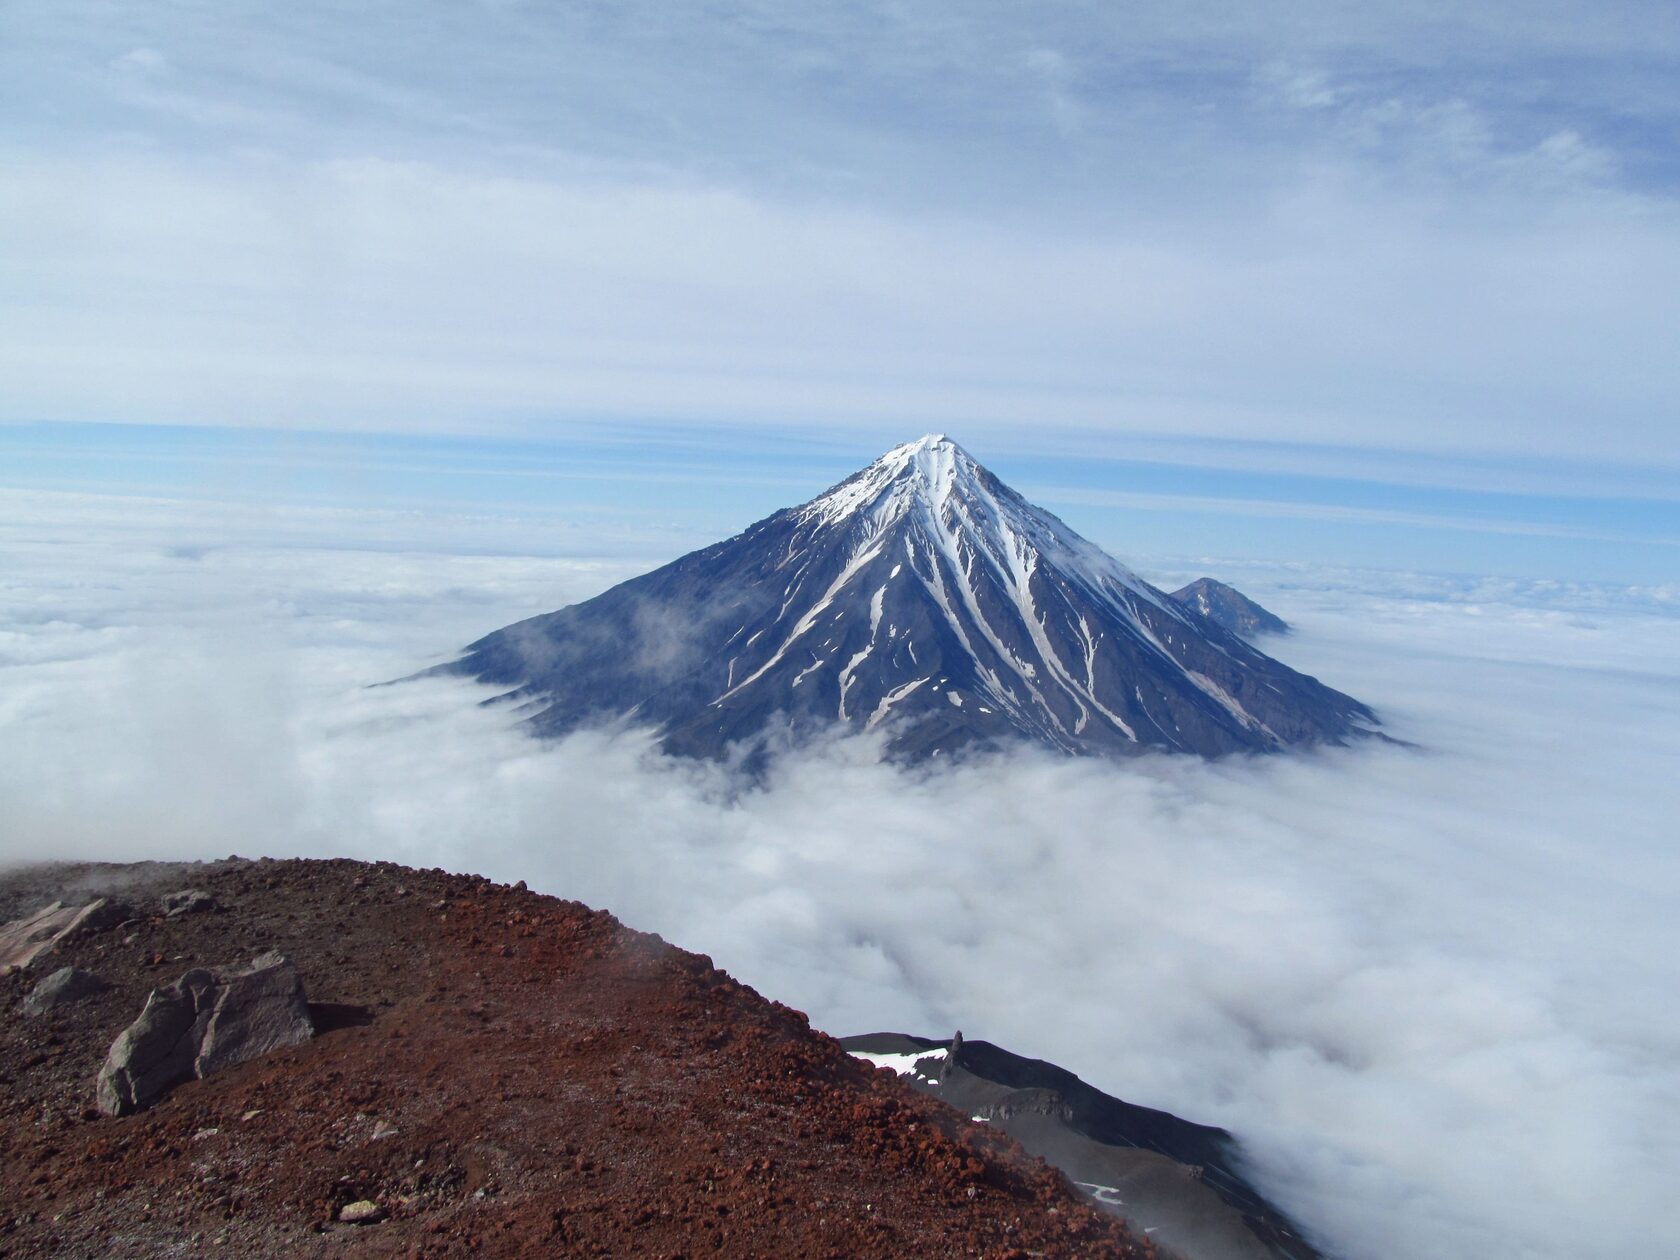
pixel 24 940
pixel 204 1022
pixel 64 986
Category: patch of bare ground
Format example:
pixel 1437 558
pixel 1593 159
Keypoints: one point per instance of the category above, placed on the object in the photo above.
pixel 499 1072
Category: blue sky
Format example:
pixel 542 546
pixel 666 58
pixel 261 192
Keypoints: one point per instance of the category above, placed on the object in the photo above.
pixel 673 488
pixel 1327 283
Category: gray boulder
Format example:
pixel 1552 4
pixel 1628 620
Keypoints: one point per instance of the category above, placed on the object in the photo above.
pixel 204 1022
pixel 24 940
pixel 64 986
pixel 188 901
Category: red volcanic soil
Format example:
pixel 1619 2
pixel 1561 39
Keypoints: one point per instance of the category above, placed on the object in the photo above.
pixel 503 1073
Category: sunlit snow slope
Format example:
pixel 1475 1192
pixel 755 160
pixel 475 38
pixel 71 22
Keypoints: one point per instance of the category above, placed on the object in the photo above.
pixel 921 595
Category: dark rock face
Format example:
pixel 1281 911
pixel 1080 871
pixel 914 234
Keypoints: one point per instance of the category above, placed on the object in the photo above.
pixel 1181 1182
pixel 202 1023
pixel 921 596
pixel 1228 607
pixel 64 986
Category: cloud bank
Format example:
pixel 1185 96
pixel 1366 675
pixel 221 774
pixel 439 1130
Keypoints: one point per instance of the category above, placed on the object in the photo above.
pixel 1429 987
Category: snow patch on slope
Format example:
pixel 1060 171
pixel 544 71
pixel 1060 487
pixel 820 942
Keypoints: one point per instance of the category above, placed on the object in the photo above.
pixel 903 1064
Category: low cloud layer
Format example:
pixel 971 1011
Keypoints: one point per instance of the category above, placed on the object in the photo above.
pixel 1429 987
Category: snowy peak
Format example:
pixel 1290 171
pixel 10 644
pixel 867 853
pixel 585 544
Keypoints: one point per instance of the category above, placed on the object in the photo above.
pixel 959 507
pixel 925 473
pixel 921 596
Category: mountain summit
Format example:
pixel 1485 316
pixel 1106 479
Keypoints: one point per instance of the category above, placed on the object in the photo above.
pixel 1230 608
pixel 922 596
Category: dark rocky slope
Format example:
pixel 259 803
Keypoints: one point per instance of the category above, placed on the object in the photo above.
pixel 1228 607
pixel 1182 1184
pixel 493 1073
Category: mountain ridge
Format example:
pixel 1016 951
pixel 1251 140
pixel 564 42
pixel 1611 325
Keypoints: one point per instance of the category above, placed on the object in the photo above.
pixel 1229 607
pixel 493 1073
pixel 1184 1185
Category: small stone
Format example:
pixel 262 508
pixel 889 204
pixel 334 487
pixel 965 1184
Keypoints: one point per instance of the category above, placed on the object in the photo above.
pixel 251 1114
pixel 383 1129
pixel 361 1212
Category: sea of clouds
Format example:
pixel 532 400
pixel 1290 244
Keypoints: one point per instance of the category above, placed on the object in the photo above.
pixel 1431 987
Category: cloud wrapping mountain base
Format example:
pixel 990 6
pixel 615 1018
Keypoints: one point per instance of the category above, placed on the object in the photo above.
pixel 1429 988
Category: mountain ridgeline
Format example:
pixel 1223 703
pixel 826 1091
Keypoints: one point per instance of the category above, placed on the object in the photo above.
pixel 1184 1186
pixel 921 596
pixel 1230 608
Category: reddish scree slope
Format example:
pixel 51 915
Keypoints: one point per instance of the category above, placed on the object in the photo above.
pixel 558 1085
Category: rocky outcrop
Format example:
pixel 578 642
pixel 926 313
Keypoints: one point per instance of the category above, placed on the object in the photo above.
pixel 202 1023
pixel 64 986
pixel 22 941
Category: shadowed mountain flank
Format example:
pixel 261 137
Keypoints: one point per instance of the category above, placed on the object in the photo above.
pixel 1181 1183
pixel 1227 606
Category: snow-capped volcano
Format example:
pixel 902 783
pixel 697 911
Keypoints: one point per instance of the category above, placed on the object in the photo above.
pixel 920 595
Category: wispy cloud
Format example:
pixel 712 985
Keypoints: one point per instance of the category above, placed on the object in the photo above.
pixel 1429 231
pixel 1332 512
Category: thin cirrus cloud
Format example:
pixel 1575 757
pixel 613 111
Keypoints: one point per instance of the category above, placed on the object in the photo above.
pixel 1336 513
pixel 1424 231
pixel 1426 985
